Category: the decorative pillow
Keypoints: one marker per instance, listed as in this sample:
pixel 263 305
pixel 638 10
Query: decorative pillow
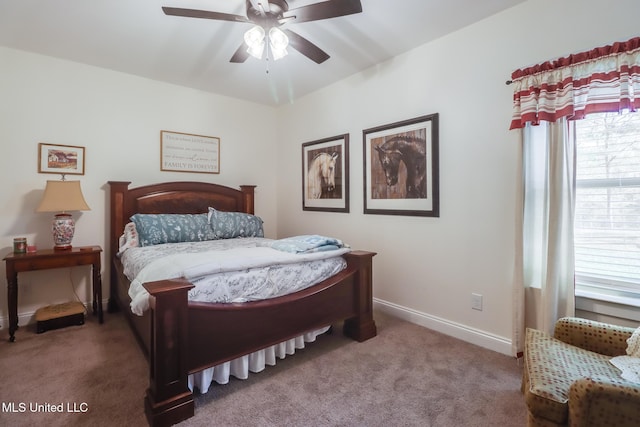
pixel 633 343
pixel 129 238
pixel 154 229
pixel 227 225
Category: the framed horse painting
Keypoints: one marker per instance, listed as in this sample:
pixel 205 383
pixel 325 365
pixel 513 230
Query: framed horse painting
pixel 325 174
pixel 401 168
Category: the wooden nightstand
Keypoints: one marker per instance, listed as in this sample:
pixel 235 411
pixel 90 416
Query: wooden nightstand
pixel 47 259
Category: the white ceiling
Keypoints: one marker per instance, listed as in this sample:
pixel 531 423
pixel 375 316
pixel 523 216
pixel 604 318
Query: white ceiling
pixel 136 37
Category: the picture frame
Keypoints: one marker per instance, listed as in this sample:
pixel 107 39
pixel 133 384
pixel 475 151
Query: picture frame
pixel 62 159
pixel 186 152
pixel 390 186
pixel 325 174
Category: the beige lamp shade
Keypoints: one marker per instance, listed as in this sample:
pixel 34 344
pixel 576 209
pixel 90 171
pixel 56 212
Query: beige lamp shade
pixel 63 196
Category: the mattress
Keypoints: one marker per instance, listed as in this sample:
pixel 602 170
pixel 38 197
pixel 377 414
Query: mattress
pixel 228 270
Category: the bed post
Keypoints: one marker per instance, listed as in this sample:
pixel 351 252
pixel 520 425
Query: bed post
pixel 117 208
pixel 248 195
pixel 362 327
pixel 168 400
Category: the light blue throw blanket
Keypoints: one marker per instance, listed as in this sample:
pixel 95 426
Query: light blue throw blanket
pixel 307 244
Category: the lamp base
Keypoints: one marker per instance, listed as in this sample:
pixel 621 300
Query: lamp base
pixel 63 228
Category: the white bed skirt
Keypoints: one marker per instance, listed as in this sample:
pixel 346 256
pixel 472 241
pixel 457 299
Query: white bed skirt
pixel 254 362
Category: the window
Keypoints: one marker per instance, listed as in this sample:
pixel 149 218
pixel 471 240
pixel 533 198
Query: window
pixel 607 216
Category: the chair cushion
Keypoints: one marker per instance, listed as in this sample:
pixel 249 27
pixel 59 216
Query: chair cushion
pixel 551 366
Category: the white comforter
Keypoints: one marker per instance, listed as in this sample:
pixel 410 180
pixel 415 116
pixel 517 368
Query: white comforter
pixel 232 270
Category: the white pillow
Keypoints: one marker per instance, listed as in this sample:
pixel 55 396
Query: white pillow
pixel 129 239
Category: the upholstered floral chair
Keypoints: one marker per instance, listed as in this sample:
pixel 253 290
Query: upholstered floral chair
pixel 570 380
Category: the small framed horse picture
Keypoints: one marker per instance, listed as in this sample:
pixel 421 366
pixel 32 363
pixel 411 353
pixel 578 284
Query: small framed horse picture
pixel 325 174
pixel 401 168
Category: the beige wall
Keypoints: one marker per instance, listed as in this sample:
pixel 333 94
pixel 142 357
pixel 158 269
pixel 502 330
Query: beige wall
pixel 427 268
pixel 118 119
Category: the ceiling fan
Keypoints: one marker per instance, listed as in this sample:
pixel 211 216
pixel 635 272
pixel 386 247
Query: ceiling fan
pixel 267 17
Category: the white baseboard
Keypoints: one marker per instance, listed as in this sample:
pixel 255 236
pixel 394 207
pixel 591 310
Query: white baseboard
pixel 456 330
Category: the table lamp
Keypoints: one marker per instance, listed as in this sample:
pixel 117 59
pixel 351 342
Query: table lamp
pixel 63 196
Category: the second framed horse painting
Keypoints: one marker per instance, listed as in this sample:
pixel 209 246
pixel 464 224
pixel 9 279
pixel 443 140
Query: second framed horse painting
pixel 401 168
pixel 325 174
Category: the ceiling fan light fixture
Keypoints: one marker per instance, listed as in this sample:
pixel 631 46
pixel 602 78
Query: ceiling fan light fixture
pixel 265 14
pixel 278 42
pixel 256 50
pixel 278 53
pixel 254 38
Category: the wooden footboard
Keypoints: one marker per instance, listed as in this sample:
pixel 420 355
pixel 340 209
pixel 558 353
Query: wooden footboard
pixel 188 337
pixel 181 337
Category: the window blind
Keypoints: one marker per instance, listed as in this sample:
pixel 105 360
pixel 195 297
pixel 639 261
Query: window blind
pixel 607 215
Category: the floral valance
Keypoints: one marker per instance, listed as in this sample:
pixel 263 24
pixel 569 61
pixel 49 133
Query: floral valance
pixel 605 79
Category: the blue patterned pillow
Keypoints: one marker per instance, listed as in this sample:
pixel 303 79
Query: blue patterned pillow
pixel 227 225
pixel 154 229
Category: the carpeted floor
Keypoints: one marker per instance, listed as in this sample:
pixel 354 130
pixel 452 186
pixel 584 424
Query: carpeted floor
pixel 406 376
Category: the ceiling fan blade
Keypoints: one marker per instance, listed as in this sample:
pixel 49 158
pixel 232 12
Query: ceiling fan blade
pixel 324 10
pixel 204 14
pixel 306 48
pixel 240 55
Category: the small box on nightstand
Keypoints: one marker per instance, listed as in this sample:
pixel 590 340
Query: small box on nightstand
pixel 59 316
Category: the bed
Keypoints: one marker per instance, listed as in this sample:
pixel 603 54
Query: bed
pixel 180 337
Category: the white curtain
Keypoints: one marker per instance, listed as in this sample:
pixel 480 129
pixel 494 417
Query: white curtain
pixel 550 96
pixel 517 339
pixel 546 257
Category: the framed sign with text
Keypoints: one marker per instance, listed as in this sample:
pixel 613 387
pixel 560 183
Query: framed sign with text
pixel 185 152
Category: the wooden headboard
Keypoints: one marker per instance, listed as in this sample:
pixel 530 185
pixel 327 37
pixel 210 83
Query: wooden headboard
pixel 171 197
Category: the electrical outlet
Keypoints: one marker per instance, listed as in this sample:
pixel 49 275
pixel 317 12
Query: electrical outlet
pixel 476 302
